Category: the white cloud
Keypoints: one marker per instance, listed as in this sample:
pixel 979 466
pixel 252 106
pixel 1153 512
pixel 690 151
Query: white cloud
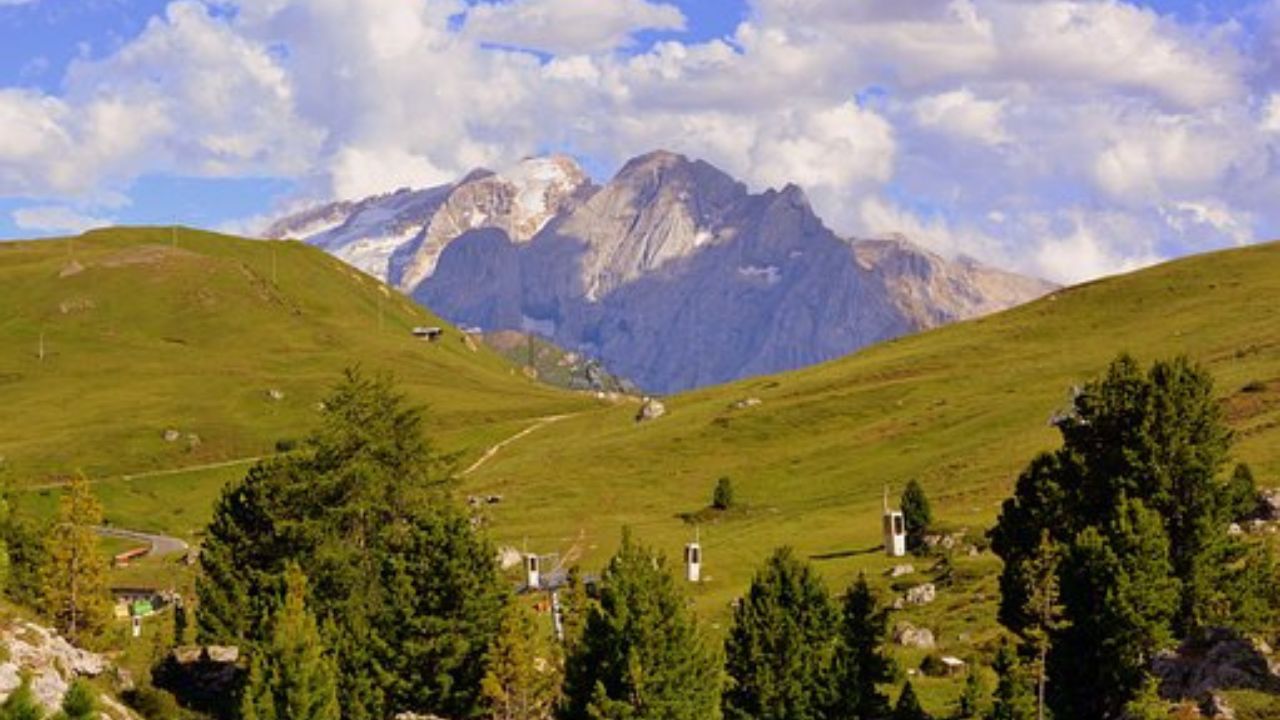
pixel 56 219
pixel 1271 114
pixel 962 114
pixel 569 26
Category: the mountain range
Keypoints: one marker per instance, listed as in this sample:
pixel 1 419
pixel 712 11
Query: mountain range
pixel 672 273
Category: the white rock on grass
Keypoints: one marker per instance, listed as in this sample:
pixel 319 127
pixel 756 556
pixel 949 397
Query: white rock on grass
pixel 921 594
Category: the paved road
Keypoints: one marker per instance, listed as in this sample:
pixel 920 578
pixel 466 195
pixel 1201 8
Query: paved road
pixel 161 545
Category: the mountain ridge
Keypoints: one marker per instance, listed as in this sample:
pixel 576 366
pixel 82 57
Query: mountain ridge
pixel 672 273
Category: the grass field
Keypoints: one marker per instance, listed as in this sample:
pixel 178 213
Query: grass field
pixel 111 339
pixel 963 408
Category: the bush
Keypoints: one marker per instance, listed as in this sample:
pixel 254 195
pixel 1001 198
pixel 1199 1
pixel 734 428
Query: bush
pixel 1254 386
pixel 285 445
pixel 722 499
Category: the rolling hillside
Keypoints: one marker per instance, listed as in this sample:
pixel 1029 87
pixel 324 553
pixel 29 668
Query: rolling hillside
pixel 228 343
pixel 962 408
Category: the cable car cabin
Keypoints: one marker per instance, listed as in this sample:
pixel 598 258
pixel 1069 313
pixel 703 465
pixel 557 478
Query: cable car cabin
pixel 430 334
pixel 693 562
pixel 895 534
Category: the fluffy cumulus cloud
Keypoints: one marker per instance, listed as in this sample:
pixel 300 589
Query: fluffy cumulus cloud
pixel 1068 138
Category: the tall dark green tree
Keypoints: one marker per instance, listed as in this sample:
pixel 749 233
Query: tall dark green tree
pixel 1120 596
pixel 860 664
pixel 405 591
pixel 780 647
pixel 908 706
pixel 1243 501
pixel 292 676
pixel 1012 700
pixel 642 655
pixel 916 513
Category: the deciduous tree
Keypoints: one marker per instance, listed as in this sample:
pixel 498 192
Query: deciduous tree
pixel 74 577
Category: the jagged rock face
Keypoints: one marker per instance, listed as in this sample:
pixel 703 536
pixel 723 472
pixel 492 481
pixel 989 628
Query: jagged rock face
pixel 675 275
pixel 52 664
pixel 398 237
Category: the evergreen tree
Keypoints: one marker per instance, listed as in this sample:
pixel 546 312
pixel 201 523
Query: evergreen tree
pixel 79 702
pixel 405 589
pixel 1243 501
pixel 1147 704
pixel 860 663
pixel 908 706
pixel 642 655
pixel 1120 596
pixel 781 643
pixel 522 680
pixel 24 542
pixel 74 577
pixel 1013 700
pixel 973 696
pixel 21 703
pixel 292 677
pixel 1044 612
pixel 575 607
pixel 722 498
pixel 916 513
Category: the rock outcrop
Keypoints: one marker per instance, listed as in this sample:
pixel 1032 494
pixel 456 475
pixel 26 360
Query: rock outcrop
pixel 672 273
pixel 52 664
pixel 1220 661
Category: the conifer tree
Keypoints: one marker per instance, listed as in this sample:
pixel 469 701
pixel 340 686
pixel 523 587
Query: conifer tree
pixel 1012 700
pixel 74 576
pixel 522 680
pixel 780 647
pixel 79 702
pixel 642 655
pixel 1044 611
pixel 406 589
pixel 860 664
pixel 1243 501
pixel 908 705
pixel 916 513
pixel 575 607
pixel 1119 595
pixel 21 703
pixel 973 696
pixel 293 676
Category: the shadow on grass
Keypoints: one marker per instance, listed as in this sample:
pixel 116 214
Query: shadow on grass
pixel 841 554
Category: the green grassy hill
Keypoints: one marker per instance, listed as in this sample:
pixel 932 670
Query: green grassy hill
pixel 147 331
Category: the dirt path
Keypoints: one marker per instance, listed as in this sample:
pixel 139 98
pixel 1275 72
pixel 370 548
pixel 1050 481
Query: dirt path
pixel 488 454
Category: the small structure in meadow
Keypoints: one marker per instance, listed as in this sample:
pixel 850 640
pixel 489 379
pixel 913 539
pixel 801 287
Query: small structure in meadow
pixel 693 560
pixel 895 530
pixel 532 571
pixel 430 333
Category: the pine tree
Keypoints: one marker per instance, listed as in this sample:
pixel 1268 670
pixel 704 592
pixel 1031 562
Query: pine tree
pixel 1147 704
pixel 642 655
pixel 1044 612
pixel 781 644
pixel 1012 700
pixel 860 664
pixel 74 577
pixel 79 702
pixel 908 706
pixel 1242 500
pixel 405 588
pixel 575 607
pixel 293 676
pixel 973 696
pixel 21 703
pixel 916 513
pixel 522 680
pixel 722 498
pixel 1120 597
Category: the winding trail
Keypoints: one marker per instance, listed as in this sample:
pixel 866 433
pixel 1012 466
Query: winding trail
pixel 493 450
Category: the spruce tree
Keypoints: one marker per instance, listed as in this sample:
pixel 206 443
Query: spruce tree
pixel 917 514
pixel 1044 612
pixel 723 498
pixel 406 589
pixel 908 706
pixel 780 646
pixel 1012 699
pixel 974 696
pixel 293 676
pixel 1242 501
pixel 522 680
pixel 74 576
pixel 642 655
pixel 79 702
pixel 21 703
pixel 1120 596
pixel 575 607
pixel 860 664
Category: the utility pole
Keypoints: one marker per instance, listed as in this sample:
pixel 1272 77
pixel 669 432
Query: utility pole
pixel 40 350
pixel 273 263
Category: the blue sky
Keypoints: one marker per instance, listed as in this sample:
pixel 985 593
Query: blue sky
pixel 1070 139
